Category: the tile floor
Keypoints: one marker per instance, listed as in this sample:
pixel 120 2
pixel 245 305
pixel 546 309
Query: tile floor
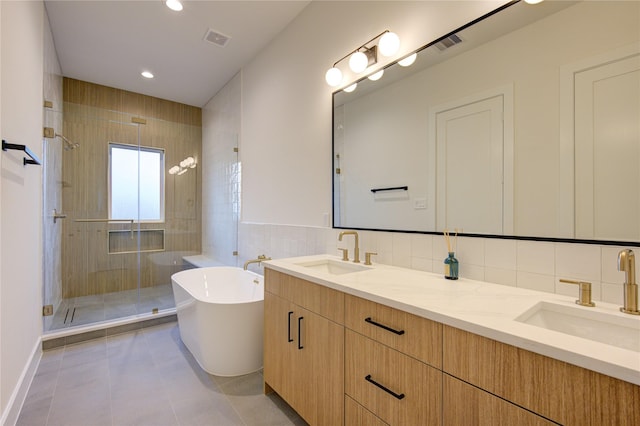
pixel 103 307
pixel 146 377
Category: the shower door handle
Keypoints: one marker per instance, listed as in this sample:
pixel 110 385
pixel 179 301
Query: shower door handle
pixel 57 216
pixel 289 339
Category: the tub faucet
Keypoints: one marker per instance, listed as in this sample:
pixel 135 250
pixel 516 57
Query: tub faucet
pixel 260 258
pixel 356 250
pixel 627 263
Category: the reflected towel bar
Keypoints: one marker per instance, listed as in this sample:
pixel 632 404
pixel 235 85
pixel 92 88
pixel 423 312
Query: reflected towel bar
pixel 33 160
pixel 395 188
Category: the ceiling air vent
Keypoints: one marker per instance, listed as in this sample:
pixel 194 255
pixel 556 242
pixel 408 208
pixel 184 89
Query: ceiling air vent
pixel 216 38
pixel 446 43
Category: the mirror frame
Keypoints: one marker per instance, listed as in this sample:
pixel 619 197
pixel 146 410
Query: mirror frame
pixel 462 234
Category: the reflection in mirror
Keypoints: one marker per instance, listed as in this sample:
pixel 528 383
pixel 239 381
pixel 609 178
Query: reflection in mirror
pixel 480 130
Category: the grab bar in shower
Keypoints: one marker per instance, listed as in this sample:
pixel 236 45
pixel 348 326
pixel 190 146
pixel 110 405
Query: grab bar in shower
pixel 33 160
pixel 109 221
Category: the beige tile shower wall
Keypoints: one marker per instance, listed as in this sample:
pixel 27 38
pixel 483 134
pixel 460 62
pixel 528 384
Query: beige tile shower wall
pixel 94 116
pixel 536 265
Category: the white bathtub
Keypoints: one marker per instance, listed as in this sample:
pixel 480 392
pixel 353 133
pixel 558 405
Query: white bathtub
pixel 220 316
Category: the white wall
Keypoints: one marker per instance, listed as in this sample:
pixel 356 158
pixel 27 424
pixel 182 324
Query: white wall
pixel 21 193
pixel 286 148
pixel 286 104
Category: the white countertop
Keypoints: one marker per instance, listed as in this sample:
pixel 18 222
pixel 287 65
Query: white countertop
pixel 482 308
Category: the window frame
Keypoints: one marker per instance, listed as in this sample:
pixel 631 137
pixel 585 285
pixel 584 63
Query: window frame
pixel 161 172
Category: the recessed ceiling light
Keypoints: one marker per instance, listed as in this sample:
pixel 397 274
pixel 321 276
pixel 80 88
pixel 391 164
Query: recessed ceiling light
pixel 147 74
pixel 174 5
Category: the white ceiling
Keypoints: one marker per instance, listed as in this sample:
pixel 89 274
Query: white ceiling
pixel 112 42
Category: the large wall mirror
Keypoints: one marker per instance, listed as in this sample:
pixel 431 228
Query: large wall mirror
pixel 524 123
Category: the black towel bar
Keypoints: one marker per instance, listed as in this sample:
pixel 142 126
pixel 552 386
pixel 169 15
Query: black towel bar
pixel 395 188
pixel 33 160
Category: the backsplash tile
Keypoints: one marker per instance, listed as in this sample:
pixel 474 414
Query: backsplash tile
pixel 536 265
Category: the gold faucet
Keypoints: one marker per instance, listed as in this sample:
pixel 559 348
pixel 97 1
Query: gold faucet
pixel 627 263
pixel 260 258
pixel 356 250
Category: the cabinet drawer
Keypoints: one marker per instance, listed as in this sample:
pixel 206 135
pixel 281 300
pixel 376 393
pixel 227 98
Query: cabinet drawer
pixel 322 300
pixel 398 389
pixel 410 334
pixel 356 415
pixel 559 391
pixel 464 404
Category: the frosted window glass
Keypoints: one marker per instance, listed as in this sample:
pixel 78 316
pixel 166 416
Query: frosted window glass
pixel 134 172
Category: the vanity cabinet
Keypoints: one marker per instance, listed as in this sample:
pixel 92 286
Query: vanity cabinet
pixel 304 347
pixel 340 359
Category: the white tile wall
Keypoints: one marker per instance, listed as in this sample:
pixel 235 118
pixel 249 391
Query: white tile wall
pixel 536 265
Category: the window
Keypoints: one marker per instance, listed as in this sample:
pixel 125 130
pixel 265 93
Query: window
pixel 136 183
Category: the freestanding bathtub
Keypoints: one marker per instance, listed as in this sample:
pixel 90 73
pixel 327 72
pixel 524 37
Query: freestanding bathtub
pixel 220 317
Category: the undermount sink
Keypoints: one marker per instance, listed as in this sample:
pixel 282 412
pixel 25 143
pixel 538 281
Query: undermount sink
pixel 610 328
pixel 333 267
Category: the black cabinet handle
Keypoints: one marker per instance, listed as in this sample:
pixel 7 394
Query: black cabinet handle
pixel 377 324
pixel 300 331
pixel 395 395
pixel 289 339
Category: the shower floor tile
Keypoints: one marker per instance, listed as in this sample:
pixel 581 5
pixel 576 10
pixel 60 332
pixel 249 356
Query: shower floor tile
pixel 146 377
pixel 84 310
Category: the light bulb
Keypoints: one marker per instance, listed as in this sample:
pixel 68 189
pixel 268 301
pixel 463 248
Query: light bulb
pixel 174 5
pixel 174 170
pixel 409 60
pixel 533 1
pixel 376 76
pixel 389 44
pixel 147 74
pixel 351 88
pixel 333 77
pixel 358 62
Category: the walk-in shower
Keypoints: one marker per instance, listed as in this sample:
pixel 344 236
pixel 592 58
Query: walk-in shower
pixel 117 224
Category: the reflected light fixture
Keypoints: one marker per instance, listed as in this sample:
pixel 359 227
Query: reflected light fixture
pixel 364 56
pixel 409 60
pixel 351 88
pixel 175 5
pixel 376 75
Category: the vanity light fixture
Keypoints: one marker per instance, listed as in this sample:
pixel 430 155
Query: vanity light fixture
pixel 174 5
pixel 364 56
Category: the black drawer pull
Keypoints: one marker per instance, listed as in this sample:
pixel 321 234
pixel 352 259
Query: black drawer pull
pixel 395 395
pixel 289 339
pixel 377 324
pixel 300 331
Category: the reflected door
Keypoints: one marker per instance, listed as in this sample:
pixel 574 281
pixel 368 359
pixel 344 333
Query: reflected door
pixel 469 155
pixel 607 150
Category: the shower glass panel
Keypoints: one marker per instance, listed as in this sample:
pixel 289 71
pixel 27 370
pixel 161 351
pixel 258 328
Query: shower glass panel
pixel 128 221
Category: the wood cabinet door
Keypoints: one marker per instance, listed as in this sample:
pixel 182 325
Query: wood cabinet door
pixel 319 359
pixel 279 332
